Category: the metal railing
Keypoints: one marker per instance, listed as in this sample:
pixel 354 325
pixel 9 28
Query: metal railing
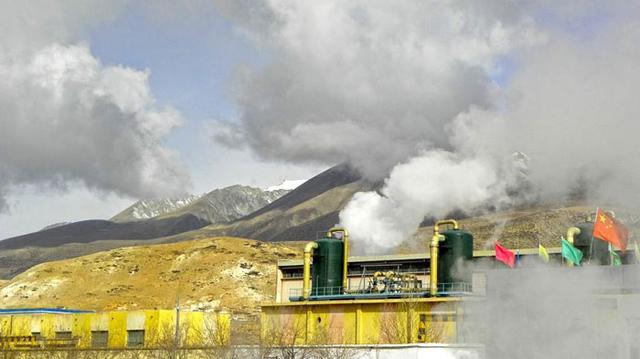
pixel 454 287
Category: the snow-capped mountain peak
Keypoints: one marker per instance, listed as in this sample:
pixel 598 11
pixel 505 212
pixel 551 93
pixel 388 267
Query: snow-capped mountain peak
pixel 288 185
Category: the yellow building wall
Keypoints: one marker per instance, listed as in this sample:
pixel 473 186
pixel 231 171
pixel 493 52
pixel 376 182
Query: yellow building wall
pixel 117 329
pixel 47 326
pixel 81 329
pixel 152 335
pixel 216 328
pixel 196 328
pixel 15 326
pixel 361 322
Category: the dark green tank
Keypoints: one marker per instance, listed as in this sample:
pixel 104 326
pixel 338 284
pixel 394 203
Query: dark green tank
pixel 456 248
pixel 326 273
pixel 594 250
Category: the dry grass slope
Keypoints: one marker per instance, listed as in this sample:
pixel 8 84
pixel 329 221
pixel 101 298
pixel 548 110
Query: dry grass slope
pixel 230 273
pixel 234 273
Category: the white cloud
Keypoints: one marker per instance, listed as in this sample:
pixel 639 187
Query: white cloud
pixel 68 118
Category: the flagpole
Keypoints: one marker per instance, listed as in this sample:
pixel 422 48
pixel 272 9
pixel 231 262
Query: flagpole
pixel 610 256
pixel 591 244
pixel 561 253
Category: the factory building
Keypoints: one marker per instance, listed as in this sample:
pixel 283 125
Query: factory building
pixel 361 270
pixel 61 328
pixel 332 298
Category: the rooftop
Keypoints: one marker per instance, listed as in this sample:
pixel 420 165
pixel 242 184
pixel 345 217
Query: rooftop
pixel 417 256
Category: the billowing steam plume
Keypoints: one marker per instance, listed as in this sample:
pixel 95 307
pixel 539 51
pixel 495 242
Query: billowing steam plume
pixel 426 184
pixel 436 97
pixel 66 118
pixel 371 83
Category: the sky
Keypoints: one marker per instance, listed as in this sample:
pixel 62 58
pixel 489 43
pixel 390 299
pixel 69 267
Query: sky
pixel 191 63
pixel 107 101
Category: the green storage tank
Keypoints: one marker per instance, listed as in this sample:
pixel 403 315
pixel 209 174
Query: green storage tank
pixel 594 250
pixel 454 250
pixel 326 271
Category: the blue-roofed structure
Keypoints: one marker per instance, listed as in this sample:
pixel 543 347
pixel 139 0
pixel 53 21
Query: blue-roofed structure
pixel 42 311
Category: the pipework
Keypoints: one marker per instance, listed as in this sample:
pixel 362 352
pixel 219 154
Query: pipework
pixel 435 241
pixel 572 232
pixel 306 276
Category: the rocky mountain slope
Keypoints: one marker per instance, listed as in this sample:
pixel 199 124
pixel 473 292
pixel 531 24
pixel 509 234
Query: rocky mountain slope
pixel 151 208
pixel 302 213
pixel 229 203
pixel 85 237
pixel 231 273
pixel 218 206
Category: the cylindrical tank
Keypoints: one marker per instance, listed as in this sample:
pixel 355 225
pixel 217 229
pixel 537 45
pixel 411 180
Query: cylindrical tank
pixel 594 250
pixel 326 277
pixel 454 250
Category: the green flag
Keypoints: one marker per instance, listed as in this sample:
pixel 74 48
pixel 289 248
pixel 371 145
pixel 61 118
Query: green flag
pixel 571 253
pixel 615 257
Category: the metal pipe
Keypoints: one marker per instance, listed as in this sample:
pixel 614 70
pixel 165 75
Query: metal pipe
pixel 572 232
pixel 345 258
pixel 306 272
pixel 435 241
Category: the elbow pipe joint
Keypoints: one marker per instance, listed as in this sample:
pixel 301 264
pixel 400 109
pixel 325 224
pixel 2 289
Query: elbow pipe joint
pixel 345 260
pixel 306 280
pixel 572 232
pixel 435 242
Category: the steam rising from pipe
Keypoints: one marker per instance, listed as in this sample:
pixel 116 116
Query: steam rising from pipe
pixel 390 87
pixel 432 184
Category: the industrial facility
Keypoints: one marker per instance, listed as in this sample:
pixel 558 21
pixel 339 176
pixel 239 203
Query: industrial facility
pixel 332 298
pixel 62 328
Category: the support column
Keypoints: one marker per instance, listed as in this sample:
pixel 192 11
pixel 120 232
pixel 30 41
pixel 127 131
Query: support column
pixel 358 325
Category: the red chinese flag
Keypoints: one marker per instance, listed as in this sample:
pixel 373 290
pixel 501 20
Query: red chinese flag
pixel 610 230
pixel 506 256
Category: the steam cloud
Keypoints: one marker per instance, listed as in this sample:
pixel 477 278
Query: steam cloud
pixel 424 184
pixel 66 118
pixel 547 312
pixel 371 83
pixel 412 90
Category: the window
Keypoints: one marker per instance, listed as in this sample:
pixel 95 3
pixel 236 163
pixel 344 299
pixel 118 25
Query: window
pixel 99 338
pixel 36 335
pixel 135 338
pixel 63 335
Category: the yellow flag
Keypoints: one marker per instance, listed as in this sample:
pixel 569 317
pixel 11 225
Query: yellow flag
pixel 542 252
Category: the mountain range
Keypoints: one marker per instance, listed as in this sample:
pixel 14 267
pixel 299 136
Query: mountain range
pixel 278 214
pixel 146 221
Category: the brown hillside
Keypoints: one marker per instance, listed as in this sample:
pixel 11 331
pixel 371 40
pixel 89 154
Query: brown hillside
pixel 229 273
pixel 235 273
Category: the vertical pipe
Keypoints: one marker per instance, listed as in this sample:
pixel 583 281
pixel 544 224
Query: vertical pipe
pixel 306 271
pixel 345 258
pixel 571 233
pixel 433 258
pixel 433 272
